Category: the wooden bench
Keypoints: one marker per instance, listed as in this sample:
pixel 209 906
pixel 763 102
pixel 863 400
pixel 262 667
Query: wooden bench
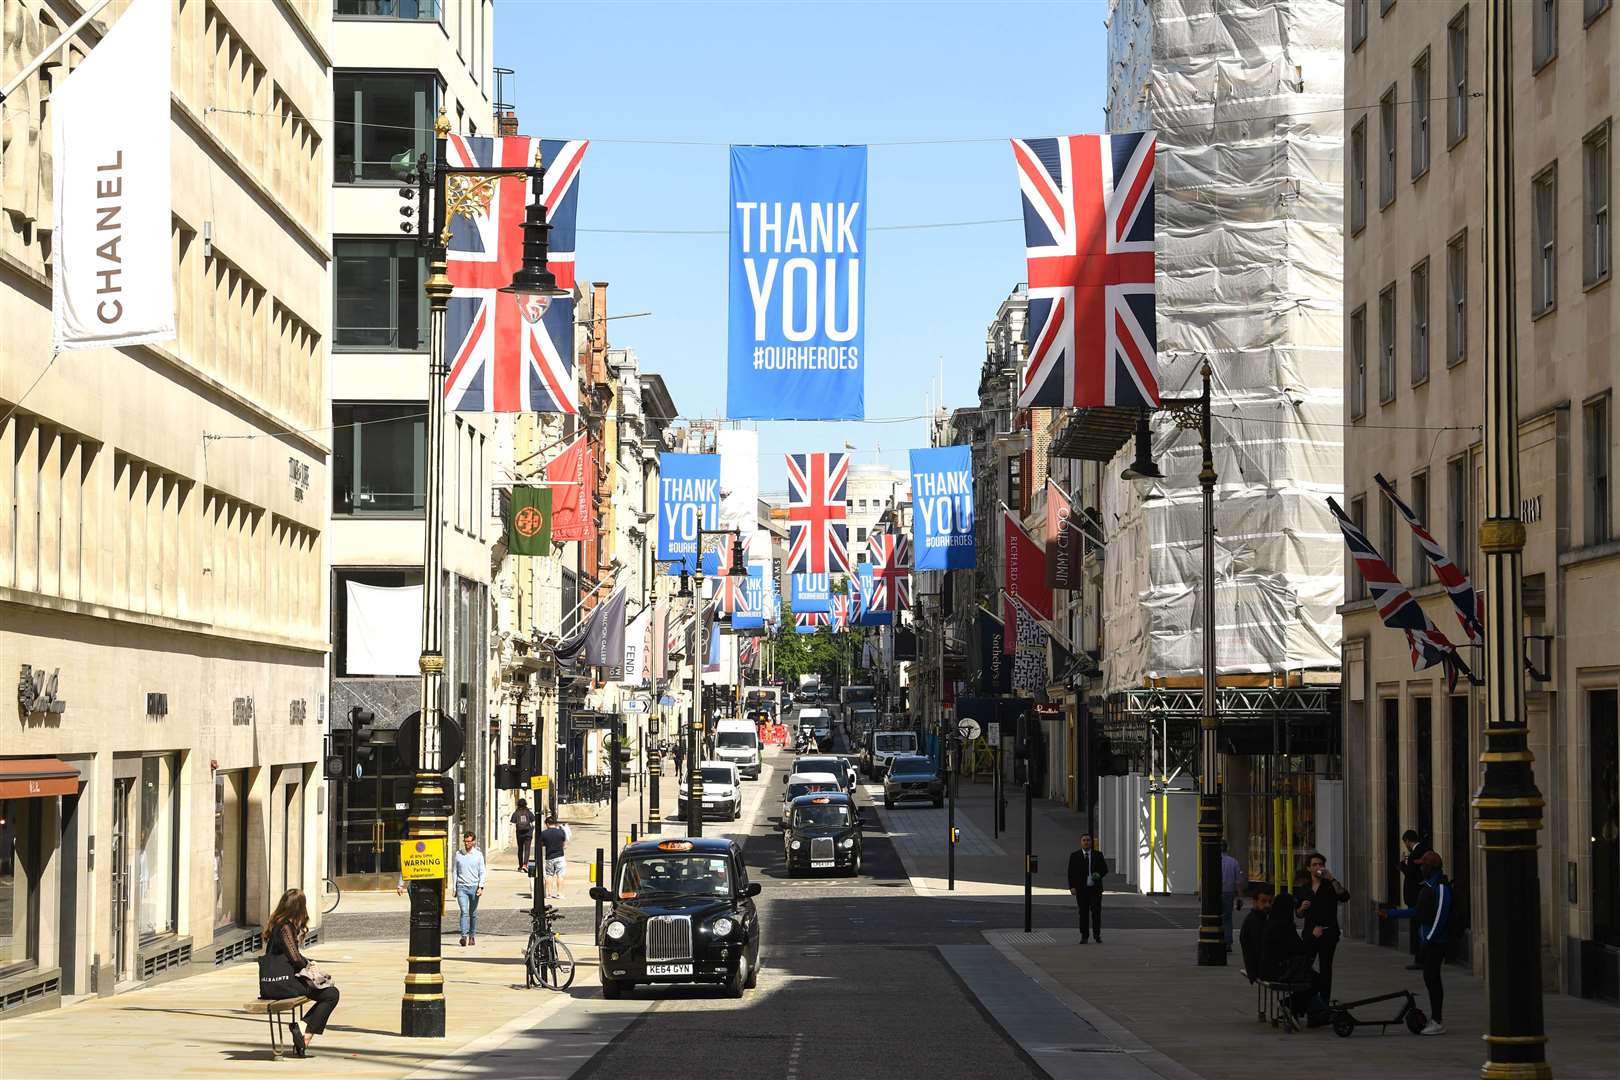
pixel 280 1013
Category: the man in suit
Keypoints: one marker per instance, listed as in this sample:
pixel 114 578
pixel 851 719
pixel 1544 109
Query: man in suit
pixel 1087 868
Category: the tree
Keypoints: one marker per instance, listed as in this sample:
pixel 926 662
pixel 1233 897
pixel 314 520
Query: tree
pixel 822 653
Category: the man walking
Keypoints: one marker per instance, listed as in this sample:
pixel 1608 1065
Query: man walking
pixel 469 872
pixel 1411 868
pixel 1087 868
pixel 523 821
pixel 553 849
pixel 1231 885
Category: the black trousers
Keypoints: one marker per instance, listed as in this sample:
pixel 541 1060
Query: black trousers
pixel 1326 946
pixel 1412 937
pixel 1089 902
pixel 316 1015
pixel 524 839
pixel 1434 956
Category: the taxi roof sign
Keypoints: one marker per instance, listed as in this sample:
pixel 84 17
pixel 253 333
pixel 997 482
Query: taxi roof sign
pixel 821 801
pixel 675 845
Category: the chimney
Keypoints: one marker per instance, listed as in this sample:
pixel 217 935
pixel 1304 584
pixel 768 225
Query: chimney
pixel 599 329
pixel 506 123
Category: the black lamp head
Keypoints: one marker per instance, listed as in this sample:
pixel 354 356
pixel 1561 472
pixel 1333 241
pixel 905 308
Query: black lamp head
pixel 534 278
pixel 739 560
pixel 686 584
pixel 1144 467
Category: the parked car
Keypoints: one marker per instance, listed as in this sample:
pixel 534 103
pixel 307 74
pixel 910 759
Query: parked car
pixel 878 748
pixel 722 791
pixel 913 777
pixel 682 911
pixel 822 832
pixel 804 784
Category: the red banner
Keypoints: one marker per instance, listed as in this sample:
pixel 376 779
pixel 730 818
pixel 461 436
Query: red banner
pixel 1024 568
pixel 1062 540
pixel 570 476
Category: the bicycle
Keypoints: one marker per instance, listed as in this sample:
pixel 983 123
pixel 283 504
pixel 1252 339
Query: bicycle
pixel 547 960
pixel 333 894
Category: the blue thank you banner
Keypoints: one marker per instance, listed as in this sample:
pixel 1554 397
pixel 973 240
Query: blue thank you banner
pixel 812 592
pixel 756 595
pixel 942 508
pixel 861 602
pixel 798 290
pixel 688 491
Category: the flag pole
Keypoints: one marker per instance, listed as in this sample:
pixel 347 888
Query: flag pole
pixel 28 69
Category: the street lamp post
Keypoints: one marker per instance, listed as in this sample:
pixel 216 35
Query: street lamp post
pixel 655 761
pixel 1508 806
pixel 694 776
pixel 1193 414
pixel 445 192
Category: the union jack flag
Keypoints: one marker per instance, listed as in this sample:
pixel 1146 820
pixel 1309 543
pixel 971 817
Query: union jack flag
pixel 1470 605
pixel 891 577
pixel 1396 606
pixel 731 598
pixel 509 353
pixel 818 537
pixel 840 610
pixel 748 652
pixel 1088 236
pixel 807 622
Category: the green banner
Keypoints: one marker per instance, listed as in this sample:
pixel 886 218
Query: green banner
pixel 528 530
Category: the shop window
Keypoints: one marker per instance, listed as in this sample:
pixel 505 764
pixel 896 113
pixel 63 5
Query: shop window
pixel 22 862
pixel 230 849
pixel 379 458
pixel 157 865
pixel 381 120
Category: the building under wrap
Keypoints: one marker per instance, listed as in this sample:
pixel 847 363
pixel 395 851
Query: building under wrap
pixel 1246 98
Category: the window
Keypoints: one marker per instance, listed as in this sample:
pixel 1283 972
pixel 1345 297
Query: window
pixel 1358 23
pixel 378 302
pixel 157 866
pixel 1386 160
pixel 405 10
pixel 379 455
pixel 1603 709
pixel 1386 344
pixel 1543 33
pixel 1457 77
pixel 860 535
pixel 23 857
pixel 454 509
pixel 1420 323
pixel 380 117
pixel 1420 506
pixel 1420 115
pixel 1386 533
pixel 1457 299
pixel 230 849
pixel 1358 176
pixel 1384 6
pixel 1595 421
pixel 1597 198
pixel 1591 9
pixel 1459 537
pixel 1358 516
pixel 1544 240
pixel 1358 363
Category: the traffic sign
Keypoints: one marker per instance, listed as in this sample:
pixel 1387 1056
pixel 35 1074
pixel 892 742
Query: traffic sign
pixel 636 705
pixel 968 729
pixel 539 783
pixel 421 860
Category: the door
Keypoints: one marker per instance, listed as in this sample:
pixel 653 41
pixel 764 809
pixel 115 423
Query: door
pixel 67 917
pixel 373 822
pixel 123 795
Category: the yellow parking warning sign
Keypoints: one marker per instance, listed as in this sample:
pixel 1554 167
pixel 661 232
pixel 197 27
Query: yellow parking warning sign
pixel 539 783
pixel 421 860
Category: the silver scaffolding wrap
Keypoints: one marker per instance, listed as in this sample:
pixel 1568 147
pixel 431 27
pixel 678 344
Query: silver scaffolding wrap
pixel 1246 98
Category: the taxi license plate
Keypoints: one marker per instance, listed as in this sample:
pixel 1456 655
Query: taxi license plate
pixel 669 969
pixel 818 863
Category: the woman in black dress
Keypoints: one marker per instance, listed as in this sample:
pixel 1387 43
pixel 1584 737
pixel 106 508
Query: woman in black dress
pixel 284 935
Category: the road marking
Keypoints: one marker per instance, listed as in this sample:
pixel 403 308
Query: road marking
pixel 793 1055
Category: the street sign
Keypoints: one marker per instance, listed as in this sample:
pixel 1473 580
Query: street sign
pixel 421 860
pixel 539 783
pixel 407 742
pixel 993 733
pixel 636 705
pixel 968 729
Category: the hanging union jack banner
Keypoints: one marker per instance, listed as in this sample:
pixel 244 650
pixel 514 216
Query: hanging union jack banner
pixel 818 537
pixel 807 622
pixel 1088 236
pixel 1397 607
pixel 730 598
pixel 891 574
pixel 510 353
pixel 1469 604
pixel 840 610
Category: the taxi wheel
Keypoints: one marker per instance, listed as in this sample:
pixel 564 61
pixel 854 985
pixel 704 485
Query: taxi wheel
pixel 855 865
pixel 753 977
pixel 740 978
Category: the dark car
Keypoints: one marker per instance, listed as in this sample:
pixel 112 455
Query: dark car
pixel 836 764
pixel 683 913
pixel 912 776
pixel 822 832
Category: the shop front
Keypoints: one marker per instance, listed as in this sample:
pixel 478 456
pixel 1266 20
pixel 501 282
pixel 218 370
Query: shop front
pixel 39 808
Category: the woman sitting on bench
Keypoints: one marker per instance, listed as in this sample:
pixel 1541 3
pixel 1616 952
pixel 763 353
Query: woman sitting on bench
pixel 1284 957
pixel 284 935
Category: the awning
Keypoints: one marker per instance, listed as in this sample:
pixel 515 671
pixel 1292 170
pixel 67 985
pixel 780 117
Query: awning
pixel 39 777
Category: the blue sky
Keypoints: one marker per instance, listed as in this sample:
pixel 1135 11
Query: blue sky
pixel 860 72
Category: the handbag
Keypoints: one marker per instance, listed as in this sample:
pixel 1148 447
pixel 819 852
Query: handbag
pixel 277 979
pixel 316 978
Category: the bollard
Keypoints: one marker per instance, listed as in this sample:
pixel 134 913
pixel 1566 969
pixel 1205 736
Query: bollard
pixel 596 872
pixel 634 831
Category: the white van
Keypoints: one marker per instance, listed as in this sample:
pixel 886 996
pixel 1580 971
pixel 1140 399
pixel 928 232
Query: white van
pixel 736 742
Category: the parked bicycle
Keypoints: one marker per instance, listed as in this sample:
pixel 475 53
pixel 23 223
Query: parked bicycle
pixel 547 960
pixel 331 894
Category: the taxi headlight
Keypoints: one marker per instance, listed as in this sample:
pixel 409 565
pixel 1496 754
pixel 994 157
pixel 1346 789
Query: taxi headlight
pixel 794 845
pixel 722 926
pixel 848 842
pixel 615 930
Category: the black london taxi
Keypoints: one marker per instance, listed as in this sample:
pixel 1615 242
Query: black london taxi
pixel 683 912
pixel 822 831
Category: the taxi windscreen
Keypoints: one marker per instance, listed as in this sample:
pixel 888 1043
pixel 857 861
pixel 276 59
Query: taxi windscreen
pixel 675 875
pixel 834 814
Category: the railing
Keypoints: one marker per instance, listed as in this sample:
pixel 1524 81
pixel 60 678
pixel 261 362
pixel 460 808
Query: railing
pixel 580 788
pixel 404 10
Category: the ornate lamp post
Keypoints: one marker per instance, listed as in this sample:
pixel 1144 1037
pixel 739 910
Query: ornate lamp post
pixel 1508 806
pixel 443 193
